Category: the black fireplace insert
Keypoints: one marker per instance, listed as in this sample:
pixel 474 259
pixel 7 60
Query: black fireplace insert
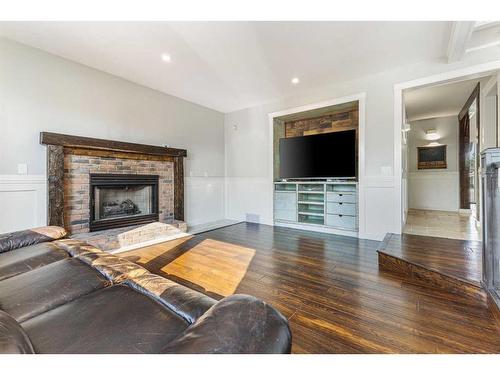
pixel 119 200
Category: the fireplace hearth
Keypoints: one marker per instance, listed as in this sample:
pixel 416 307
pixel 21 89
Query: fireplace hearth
pixel 118 200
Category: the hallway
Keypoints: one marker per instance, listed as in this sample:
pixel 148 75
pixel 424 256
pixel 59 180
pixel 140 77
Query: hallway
pixel 445 224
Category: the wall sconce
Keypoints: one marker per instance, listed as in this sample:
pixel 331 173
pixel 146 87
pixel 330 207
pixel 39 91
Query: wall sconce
pixel 431 135
pixel 434 144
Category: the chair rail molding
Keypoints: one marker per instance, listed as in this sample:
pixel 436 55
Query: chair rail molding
pixel 22 202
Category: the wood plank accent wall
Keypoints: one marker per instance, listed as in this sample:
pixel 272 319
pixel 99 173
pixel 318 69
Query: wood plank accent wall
pixel 325 124
pixel 278 133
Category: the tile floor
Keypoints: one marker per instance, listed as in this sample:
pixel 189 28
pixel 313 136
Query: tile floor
pixel 442 224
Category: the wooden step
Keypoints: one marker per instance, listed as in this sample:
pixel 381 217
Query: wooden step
pixel 439 263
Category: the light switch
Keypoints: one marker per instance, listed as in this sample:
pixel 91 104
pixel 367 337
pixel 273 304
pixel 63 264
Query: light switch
pixel 22 168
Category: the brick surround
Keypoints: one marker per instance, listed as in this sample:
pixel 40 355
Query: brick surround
pixel 77 169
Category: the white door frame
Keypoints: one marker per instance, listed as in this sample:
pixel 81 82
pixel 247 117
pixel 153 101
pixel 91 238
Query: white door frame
pixel 476 71
pixel 361 99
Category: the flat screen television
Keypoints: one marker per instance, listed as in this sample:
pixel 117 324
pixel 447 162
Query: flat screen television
pixel 330 155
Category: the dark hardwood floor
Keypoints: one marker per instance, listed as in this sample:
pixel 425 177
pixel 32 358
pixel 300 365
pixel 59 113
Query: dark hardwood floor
pixel 459 259
pixel 330 288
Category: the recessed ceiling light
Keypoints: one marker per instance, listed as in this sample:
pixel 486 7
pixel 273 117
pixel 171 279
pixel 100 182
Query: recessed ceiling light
pixel 166 57
pixel 295 80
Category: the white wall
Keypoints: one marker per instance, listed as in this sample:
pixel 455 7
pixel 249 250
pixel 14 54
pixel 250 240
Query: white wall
pixel 43 92
pixel 434 189
pixel 248 167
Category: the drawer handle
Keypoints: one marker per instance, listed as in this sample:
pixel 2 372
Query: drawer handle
pixel 340 195
pixel 340 203
pixel 340 215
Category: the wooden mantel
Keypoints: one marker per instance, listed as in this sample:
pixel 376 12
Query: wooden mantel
pixel 74 141
pixel 57 143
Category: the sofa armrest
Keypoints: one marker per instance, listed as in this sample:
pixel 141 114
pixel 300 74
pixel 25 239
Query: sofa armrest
pixel 13 338
pixel 238 324
pixel 15 240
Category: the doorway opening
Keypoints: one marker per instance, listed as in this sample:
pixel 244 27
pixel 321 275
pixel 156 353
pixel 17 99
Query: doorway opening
pixel 443 135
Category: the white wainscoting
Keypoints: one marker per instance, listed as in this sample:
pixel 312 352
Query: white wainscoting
pixel 434 190
pixel 203 199
pixel 22 202
pixel 249 199
pixel 377 196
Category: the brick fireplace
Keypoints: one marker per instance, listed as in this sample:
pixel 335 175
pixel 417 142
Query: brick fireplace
pixel 96 184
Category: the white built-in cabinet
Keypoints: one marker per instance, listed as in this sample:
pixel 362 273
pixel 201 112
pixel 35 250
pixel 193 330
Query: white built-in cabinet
pixel 321 206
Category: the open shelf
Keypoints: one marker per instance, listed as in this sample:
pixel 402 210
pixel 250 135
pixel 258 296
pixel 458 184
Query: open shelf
pixel 313 209
pixel 343 188
pixel 311 188
pixel 311 213
pixel 319 203
pixel 311 219
pixel 311 198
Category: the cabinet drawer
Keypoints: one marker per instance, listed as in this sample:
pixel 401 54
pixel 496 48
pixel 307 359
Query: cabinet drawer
pixel 342 221
pixel 289 215
pixel 285 196
pixel 341 197
pixel 285 204
pixel 341 208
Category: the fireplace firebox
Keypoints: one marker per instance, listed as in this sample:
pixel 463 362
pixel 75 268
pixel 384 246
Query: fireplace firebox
pixel 118 200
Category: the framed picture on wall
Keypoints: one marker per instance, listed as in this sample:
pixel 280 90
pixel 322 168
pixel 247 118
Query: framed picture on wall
pixel 432 157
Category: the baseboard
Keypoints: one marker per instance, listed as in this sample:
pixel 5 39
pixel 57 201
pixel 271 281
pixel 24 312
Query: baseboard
pixel 317 229
pixel 424 208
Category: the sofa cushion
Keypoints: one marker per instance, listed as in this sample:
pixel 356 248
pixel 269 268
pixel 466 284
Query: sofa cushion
pixel 117 319
pixel 28 258
pixel 13 339
pixel 116 269
pixel 76 248
pixel 16 240
pixel 185 302
pixel 32 293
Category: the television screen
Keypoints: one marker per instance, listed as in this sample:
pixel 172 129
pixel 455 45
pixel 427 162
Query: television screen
pixel 319 156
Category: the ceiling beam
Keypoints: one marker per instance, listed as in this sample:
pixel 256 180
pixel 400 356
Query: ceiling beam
pixel 461 32
pixel 485 25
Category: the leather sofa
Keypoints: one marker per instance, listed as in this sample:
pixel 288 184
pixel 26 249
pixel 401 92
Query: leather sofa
pixel 61 295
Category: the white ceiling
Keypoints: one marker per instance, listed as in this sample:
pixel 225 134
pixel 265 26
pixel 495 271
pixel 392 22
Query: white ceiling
pixel 439 101
pixel 233 65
